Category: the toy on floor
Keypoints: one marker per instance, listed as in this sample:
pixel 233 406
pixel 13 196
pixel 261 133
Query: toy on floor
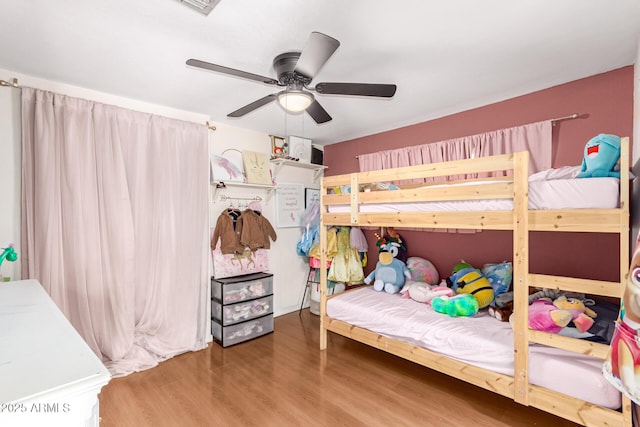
pixel 390 272
pixel 468 280
pixel 457 305
pixel 423 292
pixel 601 157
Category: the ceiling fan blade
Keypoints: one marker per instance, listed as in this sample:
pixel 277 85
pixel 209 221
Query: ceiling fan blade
pixel 317 113
pixel 362 89
pixel 315 54
pixel 231 71
pixel 254 105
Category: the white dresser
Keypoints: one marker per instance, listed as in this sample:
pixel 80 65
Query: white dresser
pixel 48 374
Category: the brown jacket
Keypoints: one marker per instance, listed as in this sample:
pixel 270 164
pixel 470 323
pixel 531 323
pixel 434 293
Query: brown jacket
pixel 227 232
pixel 254 231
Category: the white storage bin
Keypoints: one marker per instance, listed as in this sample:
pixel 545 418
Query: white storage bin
pixel 239 312
pixel 241 332
pixel 242 288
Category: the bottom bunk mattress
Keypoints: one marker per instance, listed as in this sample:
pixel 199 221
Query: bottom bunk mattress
pixel 481 341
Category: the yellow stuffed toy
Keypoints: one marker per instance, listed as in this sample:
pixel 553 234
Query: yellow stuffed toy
pixel 469 280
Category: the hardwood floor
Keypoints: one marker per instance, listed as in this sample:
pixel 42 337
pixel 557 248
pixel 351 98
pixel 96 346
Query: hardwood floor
pixel 283 379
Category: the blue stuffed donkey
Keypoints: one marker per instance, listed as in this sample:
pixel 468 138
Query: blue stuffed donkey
pixel 601 156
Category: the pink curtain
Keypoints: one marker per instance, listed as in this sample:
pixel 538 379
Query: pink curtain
pixel 115 225
pixel 534 137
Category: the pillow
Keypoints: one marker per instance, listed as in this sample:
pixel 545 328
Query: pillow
pixel 499 275
pixel 565 172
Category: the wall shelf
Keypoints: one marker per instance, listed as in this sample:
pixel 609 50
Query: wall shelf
pixel 217 186
pixel 279 163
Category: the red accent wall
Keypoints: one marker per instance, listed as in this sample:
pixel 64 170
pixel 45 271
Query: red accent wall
pixel 605 105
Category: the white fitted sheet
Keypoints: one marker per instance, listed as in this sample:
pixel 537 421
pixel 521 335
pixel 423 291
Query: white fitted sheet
pixel 481 341
pixel 580 193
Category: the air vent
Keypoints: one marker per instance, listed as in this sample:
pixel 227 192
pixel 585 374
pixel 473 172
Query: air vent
pixel 203 6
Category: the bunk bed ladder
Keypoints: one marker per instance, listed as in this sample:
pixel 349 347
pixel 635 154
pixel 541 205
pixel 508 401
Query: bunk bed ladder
pixel 593 287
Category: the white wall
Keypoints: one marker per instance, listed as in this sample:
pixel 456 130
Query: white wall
pixel 10 175
pixel 288 268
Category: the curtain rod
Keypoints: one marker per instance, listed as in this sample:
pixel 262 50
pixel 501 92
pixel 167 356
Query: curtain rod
pixel 13 83
pixel 553 121
pixel 571 117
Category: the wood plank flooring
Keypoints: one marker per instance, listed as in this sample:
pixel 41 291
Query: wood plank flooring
pixel 283 379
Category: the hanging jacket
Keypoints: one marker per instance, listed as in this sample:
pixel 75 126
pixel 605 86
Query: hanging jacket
pixel 254 231
pixel 226 231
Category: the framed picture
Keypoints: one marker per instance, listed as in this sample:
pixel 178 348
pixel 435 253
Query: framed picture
pixel 256 168
pixel 227 167
pixel 279 146
pixel 311 195
pixel 300 148
pixel 289 205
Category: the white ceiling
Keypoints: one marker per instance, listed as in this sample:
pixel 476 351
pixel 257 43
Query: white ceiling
pixel 445 56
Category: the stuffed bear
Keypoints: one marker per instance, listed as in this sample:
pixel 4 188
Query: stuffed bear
pixel 601 157
pixel 390 272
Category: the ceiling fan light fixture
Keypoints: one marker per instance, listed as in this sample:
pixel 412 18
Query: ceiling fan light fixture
pixel 295 101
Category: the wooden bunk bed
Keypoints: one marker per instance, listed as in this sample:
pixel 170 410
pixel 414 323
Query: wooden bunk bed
pixel 520 220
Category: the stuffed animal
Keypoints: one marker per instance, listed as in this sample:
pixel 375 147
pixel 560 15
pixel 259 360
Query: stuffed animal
pixel 457 305
pixel 581 315
pixel 423 292
pixel 503 312
pixel 393 243
pixel 601 157
pixel 546 317
pixel 390 272
pixel 422 270
pixel 469 280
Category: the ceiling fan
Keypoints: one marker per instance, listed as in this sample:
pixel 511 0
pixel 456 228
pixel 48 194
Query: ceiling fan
pixel 295 72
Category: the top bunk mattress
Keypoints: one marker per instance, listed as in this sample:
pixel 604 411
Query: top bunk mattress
pixel 480 341
pixel 581 193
